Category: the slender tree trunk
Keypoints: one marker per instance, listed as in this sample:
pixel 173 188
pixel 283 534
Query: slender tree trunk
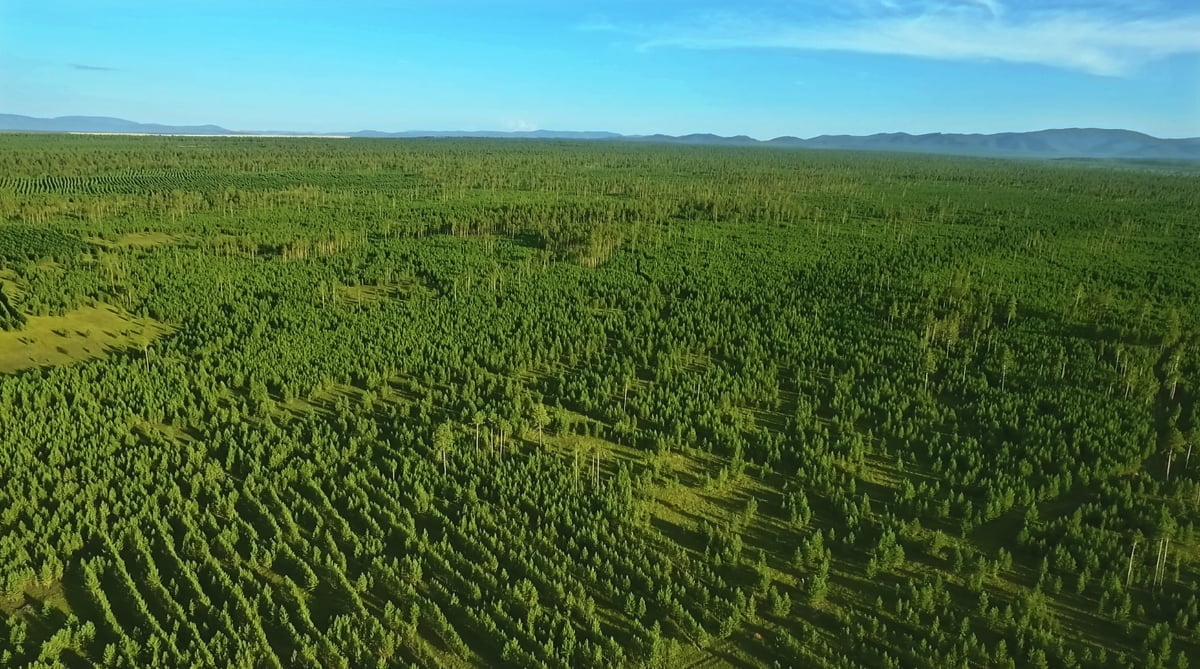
pixel 1129 572
pixel 1163 570
pixel 1158 561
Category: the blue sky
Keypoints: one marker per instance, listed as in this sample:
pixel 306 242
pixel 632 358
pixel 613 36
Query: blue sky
pixel 758 67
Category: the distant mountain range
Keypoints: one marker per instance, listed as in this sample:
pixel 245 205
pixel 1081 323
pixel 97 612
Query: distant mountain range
pixel 1064 143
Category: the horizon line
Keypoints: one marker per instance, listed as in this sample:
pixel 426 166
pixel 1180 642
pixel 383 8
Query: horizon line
pixel 351 133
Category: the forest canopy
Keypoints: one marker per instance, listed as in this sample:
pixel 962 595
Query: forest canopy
pixel 305 402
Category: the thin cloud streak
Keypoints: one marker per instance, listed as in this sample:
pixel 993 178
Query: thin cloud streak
pixel 93 68
pixel 1072 40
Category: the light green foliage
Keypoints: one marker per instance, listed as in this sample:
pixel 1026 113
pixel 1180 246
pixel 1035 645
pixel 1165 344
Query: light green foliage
pixel 461 403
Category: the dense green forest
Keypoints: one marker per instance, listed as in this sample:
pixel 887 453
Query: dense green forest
pixel 349 403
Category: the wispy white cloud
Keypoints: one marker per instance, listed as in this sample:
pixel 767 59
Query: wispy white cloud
pixel 1098 40
pixel 519 125
pixel 92 68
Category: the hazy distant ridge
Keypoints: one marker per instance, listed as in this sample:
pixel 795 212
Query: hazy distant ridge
pixel 1062 143
pixel 14 122
pixel 1067 142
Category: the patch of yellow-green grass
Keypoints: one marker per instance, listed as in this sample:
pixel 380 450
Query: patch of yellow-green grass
pixel 693 493
pixel 10 283
pixel 166 431
pixel 736 651
pixel 136 239
pixel 83 334
pixel 364 294
pixel 880 475
pixel 688 506
pixel 296 406
pixel 326 400
pixel 696 361
pixel 586 445
pixel 34 596
pixel 403 287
